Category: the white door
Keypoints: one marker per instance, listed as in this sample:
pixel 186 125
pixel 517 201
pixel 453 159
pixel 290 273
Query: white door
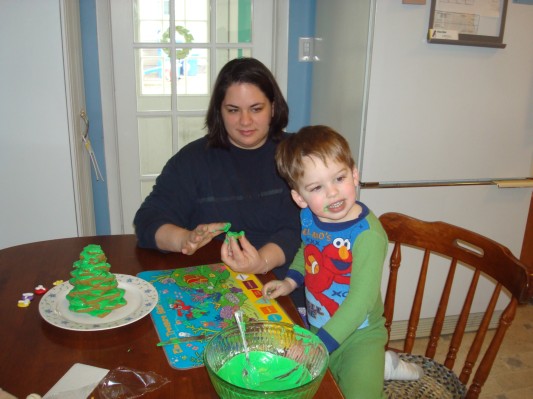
pixel 166 55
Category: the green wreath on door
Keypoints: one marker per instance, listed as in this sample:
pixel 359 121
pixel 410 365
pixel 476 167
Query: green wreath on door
pixel 187 36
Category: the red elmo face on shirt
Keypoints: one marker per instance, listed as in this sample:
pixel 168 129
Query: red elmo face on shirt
pixel 338 257
pixel 324 268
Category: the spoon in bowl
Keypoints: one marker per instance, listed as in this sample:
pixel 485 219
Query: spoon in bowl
pixel 249 372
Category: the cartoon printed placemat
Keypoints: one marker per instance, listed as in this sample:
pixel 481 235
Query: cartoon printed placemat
pixel 201 300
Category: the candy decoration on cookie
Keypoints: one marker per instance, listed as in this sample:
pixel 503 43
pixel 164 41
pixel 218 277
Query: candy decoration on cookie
pixel 95 289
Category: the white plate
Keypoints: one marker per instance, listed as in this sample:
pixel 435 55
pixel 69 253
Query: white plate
pixel 141 297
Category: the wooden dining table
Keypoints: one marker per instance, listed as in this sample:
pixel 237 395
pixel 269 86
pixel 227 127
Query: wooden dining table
pixel 35 354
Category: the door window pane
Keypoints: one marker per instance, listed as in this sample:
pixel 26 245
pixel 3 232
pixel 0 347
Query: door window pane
pixel 234 21
pixel 153 72
pixel 189 129
pixel 146 187
pixel 155 144
pixel 227 54
pixel 193 85
pixel 194 16
pixel 150 20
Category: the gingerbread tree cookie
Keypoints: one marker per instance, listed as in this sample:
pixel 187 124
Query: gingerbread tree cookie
pixel 95 289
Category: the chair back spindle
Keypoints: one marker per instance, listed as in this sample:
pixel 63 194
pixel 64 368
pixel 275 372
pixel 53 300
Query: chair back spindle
pixel 440 314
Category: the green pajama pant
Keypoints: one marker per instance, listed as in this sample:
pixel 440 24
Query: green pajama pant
pixel 358 364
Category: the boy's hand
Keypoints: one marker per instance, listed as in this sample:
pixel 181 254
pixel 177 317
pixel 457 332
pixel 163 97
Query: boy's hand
pixel 276 288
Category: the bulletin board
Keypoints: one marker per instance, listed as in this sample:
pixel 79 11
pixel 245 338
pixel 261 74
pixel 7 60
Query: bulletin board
pixel 468 22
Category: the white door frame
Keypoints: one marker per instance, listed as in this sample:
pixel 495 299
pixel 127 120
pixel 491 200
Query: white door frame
pixel 109 121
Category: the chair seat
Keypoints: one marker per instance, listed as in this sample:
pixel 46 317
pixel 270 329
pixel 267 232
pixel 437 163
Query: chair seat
pixel 438 382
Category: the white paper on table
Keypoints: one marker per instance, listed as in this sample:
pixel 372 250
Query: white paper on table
pixel 77 383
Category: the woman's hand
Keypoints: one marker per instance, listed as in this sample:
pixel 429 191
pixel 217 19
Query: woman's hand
pixel 276 288
pixel 242 257
pixel 201 236
pixel 177 239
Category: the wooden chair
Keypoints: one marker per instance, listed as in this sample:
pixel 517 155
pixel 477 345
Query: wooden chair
pixel 453 248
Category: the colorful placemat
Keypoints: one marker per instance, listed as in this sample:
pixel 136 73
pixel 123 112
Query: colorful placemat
pixel 201 300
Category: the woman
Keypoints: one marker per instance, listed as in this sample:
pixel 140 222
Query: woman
pixel 229 176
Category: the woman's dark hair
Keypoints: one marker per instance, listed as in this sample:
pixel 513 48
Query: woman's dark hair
pixel 244 70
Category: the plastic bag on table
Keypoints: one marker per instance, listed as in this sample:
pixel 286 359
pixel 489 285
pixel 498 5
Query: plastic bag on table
pixel 125 383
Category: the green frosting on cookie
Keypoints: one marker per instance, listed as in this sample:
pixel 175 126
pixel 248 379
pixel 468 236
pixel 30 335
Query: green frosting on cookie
pixel 95 289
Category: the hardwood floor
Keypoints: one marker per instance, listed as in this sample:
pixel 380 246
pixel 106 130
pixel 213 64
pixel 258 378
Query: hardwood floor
pixel 512 374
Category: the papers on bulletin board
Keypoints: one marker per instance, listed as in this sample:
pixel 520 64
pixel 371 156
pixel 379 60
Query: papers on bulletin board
pixel 473 17
pixel 483 8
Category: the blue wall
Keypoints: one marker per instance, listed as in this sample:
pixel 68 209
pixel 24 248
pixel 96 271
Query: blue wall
pixel 301 24
pixel 94 110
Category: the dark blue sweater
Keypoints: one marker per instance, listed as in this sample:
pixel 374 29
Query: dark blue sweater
pixel 201 184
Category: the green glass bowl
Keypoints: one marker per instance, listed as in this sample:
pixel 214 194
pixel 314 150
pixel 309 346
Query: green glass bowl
pixel 266 336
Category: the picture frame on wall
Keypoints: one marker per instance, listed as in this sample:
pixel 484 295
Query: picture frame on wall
pixel 468 23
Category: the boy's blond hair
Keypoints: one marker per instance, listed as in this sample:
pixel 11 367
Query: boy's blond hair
pixel 319 141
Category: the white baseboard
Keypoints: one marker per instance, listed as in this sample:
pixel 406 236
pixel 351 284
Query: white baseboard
pixel 399 327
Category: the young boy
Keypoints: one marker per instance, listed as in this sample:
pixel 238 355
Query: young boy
pixel 340 260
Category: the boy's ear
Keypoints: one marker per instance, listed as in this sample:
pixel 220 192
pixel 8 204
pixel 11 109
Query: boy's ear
pixel 355 174
pixel 298 199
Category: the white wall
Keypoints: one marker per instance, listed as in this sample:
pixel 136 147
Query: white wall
pixel 446 111
pixel 37 200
